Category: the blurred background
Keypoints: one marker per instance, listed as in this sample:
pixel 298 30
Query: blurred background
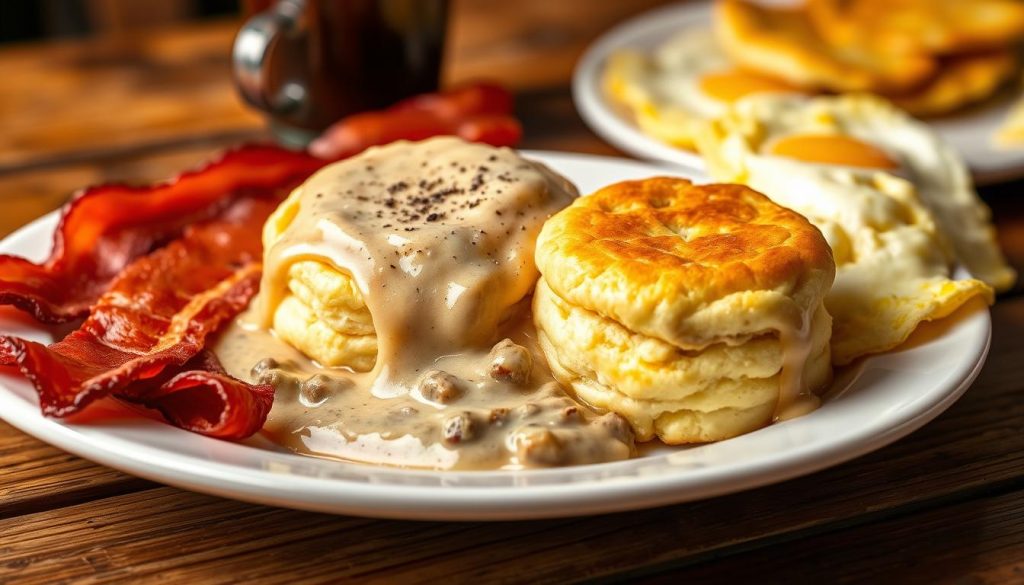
pixel 22 20
pixel 135 91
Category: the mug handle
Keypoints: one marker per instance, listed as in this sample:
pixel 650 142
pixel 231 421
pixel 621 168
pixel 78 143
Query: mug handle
pixel 252 55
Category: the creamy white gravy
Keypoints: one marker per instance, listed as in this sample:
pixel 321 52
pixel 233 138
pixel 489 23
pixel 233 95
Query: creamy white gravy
pixel 439 238
pixel 796 397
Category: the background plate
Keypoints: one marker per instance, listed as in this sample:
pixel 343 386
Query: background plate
pixel 969 131
pixel 883 399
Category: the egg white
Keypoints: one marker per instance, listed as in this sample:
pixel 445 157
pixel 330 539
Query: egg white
pixel 895 233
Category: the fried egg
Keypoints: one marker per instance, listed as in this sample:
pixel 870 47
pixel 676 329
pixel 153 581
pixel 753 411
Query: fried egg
pixel 684 82
pixel 895 204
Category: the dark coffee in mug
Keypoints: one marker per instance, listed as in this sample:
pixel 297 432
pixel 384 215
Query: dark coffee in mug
pixel 308 63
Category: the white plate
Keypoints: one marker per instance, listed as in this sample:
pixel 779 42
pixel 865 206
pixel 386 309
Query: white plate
pixel 886 398
pixel 970 132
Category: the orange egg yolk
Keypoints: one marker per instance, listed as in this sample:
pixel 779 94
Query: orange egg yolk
pixel 729 86
pixel 832 149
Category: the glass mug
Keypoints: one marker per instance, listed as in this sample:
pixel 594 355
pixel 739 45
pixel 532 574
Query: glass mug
pixel 308 63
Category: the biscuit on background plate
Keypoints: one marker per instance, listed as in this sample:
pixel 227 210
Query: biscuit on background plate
pixel 962 80
pixel 923 26
pixel 782 41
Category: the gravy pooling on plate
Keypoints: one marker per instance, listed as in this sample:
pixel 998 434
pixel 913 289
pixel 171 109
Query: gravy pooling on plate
pixel 408 270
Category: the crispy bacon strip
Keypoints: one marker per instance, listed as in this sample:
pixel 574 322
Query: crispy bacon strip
pixel 104 228
pixel 204 399
pixel 480 113
pixel 153 320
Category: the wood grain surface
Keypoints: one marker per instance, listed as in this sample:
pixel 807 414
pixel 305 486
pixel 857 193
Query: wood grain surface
pixel 944 504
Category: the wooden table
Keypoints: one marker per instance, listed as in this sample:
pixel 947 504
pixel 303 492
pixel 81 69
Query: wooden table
pixel 945 504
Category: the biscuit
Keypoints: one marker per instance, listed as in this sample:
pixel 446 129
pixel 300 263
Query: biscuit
pixel 677 395
pixel 963 80
pixel 921 26
pixel 783 42
pixel 324 316
pixel 301 327
pixel 664 301
pixel 407 246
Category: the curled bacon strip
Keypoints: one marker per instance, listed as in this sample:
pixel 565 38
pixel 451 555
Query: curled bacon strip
pixel 205 400
pixel 106 227
pixel 478 113
pixel 153 320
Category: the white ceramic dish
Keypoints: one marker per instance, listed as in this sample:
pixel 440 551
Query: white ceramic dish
pixel 970 131
pixel 884 399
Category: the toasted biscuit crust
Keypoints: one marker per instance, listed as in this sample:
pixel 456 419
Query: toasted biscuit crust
pixel 678 261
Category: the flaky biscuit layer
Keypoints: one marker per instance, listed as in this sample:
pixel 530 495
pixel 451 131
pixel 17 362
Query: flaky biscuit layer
pixel 299 326
pixel 679 396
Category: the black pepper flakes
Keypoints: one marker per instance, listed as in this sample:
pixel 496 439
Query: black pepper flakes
pixel 397 187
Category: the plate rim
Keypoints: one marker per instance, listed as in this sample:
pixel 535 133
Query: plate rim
pixel 600 116
pixel 472 502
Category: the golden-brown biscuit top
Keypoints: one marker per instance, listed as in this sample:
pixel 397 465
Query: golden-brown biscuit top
pixel 690 264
